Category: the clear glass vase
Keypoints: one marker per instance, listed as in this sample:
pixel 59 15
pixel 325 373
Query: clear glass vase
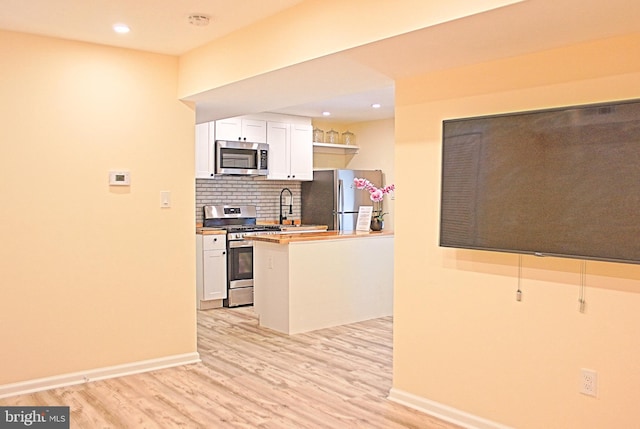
pixel 331 136
pixel 318 135
pixel 348 138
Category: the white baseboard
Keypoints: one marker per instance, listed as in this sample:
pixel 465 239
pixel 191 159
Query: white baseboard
pixel 443 412
pixel 70 379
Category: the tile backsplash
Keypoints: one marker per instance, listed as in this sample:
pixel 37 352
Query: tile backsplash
pixel 245 190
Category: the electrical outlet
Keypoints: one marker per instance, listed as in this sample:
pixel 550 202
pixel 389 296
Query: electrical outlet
pixel 588 382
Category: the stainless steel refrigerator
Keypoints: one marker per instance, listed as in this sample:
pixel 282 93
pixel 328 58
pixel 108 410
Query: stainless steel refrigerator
pixel 331 198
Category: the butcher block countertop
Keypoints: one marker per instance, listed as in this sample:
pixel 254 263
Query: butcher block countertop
pixel 297 228
pixel 284 238
pixel 210 231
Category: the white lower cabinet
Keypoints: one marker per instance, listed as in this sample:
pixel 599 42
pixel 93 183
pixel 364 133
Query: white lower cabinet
pixel 211 274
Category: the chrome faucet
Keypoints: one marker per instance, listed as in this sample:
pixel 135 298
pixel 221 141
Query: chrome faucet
pixel 284 217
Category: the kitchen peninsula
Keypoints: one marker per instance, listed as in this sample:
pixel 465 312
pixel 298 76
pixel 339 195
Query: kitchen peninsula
pixel 309 281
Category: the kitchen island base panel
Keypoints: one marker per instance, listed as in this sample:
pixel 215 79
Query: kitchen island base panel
pixel 310 285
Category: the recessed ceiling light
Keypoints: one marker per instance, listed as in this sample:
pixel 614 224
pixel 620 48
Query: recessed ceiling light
pixel 376 105
pixel 326 113
pixel 121 28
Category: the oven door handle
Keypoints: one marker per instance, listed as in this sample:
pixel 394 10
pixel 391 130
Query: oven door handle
pixel 240 243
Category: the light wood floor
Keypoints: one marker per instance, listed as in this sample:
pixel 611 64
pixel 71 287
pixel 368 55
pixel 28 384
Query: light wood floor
pixel 251 377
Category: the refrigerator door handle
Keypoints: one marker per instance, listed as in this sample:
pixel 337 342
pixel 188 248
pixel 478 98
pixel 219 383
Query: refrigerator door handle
pixel 340 203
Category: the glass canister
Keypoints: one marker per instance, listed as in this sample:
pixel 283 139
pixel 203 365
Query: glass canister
pixel 348 138
pixel 332 136
pixel 318 135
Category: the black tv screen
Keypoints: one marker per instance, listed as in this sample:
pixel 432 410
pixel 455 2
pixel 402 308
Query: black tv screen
pixel 558 182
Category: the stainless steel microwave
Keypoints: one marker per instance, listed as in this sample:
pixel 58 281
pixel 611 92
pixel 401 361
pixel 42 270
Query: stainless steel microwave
pixel 243 158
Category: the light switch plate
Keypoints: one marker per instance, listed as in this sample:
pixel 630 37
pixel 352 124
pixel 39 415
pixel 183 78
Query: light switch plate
pixel 165 199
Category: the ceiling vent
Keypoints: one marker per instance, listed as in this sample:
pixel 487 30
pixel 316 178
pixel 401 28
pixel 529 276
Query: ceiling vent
pixel 199 20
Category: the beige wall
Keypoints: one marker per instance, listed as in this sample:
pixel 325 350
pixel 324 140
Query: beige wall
pixel 92 276
pixel 461 339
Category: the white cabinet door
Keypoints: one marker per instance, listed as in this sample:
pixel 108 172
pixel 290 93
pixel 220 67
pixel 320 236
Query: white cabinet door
pixel 290 151
pixel 278 140
pixel 254 131
pixel 228 129
pixel 235 129
pixel 205 149
pixel 215 274
pixel 211 268
pixel 301 152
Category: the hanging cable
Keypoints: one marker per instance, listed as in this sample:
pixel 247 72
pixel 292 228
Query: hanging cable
pixel 583 281
pixel 519 292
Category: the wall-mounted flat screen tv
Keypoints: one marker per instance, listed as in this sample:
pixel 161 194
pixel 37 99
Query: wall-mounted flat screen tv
pixel 558 182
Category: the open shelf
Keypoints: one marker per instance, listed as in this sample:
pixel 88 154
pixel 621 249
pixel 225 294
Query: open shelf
pixel 334 148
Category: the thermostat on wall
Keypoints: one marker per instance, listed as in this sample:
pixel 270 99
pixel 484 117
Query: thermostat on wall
pixel 119 178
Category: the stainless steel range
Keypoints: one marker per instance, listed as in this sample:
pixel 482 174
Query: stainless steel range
pixel 239 221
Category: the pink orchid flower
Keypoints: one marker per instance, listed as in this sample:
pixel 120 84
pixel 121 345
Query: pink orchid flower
pixel 376 195
pixel 389 189
pixel 361 183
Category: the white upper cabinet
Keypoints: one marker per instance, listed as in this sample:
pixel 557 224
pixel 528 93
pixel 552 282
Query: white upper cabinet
pixel 205 149
pixel 289 138
pixel 301 152
pixel 241 129
pixel 278 136
pixel 290 151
